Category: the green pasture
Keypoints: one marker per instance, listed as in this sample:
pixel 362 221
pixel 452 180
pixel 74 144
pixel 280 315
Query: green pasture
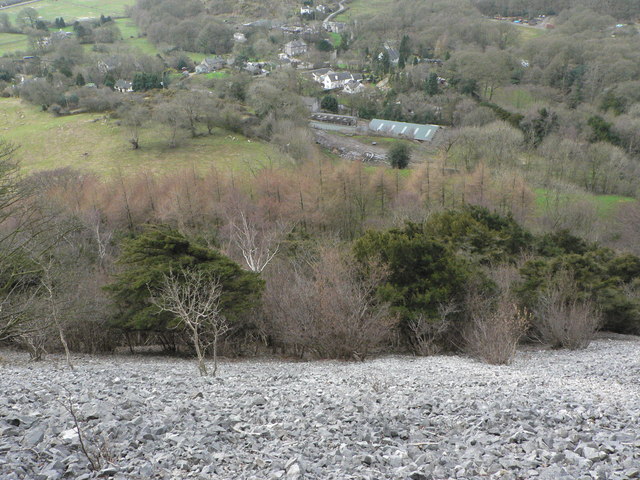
pixel 363 7
pixel 528 33
pixel 94 143
pixel 220 74
pixel 13 42
pixel 336 39
pixel 72 10
pixel 514 97
pixel 129 31
pixel 604 204
pixel 130 36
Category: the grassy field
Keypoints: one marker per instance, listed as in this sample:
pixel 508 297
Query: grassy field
pixel 12 42
pixel 129 31
pixel 91 142
pixel 529 33
pixel 336 39
pixel 71 10
pixel 604 204
pixel 514 97
pixel 363 7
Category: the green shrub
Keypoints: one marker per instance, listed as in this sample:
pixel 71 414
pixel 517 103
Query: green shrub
pixel 148 257
pixel 423 273
pixel 399 155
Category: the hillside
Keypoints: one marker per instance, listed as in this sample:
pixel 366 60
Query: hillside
pixel 95 143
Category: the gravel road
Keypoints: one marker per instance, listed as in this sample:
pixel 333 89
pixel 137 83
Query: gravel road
pixel 550 415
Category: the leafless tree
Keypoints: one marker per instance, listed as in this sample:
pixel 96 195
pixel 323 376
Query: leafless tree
pixel 20 223
pixel 53 303
pixel 14 318
pixel 494 329
pixel 426 333
pixel 101 235
pixel 328 307
pixel 33 336
pixel 134 117
pixel 562 318
pixel 258 244
pixel 194 299
pixel 495 322
pixel 96 450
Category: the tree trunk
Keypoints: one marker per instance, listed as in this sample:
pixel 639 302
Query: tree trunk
pixel 202 367
pixel 63 340
pixel 215 354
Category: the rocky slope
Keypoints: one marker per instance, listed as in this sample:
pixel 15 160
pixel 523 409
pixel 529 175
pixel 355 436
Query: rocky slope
pixel 550 415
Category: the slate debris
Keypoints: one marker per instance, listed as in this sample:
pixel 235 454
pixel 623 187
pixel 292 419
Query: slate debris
pixel 550 415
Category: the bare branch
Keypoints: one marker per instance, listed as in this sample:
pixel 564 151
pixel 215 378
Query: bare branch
pixel 258 244
pixel 194 299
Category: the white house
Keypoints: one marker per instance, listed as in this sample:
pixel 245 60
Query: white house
pixel 239 37
pixel 352 86
pixel 394 56
pixel 295 47
pixel 332 80
pixel 318 75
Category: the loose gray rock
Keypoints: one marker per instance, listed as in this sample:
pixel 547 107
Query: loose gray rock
pixel 34 436
pixel 551 415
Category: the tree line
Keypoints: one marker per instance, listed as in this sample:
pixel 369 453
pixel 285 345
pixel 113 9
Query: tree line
pixel 320 261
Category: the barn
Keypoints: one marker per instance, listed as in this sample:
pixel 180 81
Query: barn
pixel 412 131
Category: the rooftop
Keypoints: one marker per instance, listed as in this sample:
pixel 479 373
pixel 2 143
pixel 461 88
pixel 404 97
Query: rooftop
pixel 413 131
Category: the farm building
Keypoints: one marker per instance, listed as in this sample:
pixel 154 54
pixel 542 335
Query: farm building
pixel 412 131
pixel 332 118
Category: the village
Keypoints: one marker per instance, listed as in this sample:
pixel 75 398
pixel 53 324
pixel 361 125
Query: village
pixel 312 42
pixel 331 79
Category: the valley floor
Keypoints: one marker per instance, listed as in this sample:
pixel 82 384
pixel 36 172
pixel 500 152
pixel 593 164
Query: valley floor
pixel 550 415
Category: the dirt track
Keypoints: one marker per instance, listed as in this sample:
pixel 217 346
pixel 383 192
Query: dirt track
pixel 350 148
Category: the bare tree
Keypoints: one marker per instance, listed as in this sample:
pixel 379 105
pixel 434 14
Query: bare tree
pixel 95 449
pixel 14 316
pixel 134 117
pixel 194 298
pixel 328 307
pixel 495 322
pixel 33 335
pixel 101 234
pixel 53 303
pixel 258 244
pixel 20 223
pixel 562 318
pixel 427 333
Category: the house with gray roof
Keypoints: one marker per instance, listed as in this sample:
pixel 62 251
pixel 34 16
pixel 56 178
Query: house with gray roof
pixel 394 55
pixel 352 86
pixel 333 80
pixel 123 86
pixel 319 74
pixel 211 64
pixel 295 47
